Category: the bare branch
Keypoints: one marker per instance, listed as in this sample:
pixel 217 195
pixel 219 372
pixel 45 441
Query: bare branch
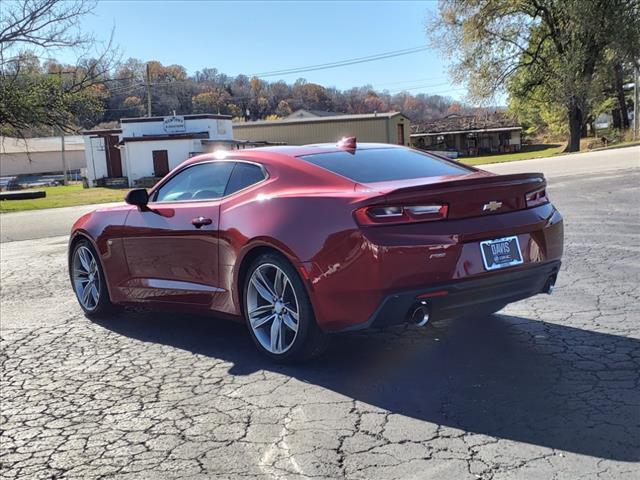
pixel 44 24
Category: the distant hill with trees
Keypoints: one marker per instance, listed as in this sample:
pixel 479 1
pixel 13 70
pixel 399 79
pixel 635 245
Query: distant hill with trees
pixel 123 93
pixel 209 90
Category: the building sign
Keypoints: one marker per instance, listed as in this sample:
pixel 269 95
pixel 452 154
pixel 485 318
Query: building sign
pixel 174 124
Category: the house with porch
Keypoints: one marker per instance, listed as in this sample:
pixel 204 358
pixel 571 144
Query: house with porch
pixel 468 135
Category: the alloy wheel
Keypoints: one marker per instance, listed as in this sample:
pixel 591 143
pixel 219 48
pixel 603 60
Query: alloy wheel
pixel 272 308
pixel 86 278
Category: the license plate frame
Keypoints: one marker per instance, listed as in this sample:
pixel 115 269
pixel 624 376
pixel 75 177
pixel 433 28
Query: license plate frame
pixel 509 259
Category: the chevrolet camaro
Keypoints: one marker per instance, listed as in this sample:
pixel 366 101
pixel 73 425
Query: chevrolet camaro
pixel 301 242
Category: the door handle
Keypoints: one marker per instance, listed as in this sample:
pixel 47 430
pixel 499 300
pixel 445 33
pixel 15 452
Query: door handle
pixel 200 221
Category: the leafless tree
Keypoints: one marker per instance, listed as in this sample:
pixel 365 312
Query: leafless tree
pixel 32 32
pixel 41 25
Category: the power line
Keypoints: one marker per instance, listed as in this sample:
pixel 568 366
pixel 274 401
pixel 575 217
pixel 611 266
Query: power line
pixel 120 109
pixel 147 82
pixel 341 63
pixel 392 92
pixel 125 89
pixel 407 81
pixel 428 86
pixel 394 52
pixel 416 87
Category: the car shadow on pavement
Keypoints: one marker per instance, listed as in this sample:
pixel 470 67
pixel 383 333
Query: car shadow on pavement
pixel 507 377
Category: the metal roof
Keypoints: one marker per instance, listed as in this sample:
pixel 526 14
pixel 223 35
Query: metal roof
pixel 317 113
pixel 193 116
pixel 465 123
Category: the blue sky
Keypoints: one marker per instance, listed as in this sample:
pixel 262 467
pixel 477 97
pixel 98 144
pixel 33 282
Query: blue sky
pixel 251 37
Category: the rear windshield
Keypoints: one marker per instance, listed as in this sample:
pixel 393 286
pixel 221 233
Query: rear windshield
pixel 384 164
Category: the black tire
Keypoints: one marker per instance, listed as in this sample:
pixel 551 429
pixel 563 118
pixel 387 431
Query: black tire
pixel 103 307
pixel 310 341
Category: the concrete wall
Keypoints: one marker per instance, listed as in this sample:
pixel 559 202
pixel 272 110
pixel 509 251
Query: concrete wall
pixel 382 130
pixel 40 162
pixel 138 157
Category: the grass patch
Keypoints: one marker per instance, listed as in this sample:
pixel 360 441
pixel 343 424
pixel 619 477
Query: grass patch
pixel 630 143
pixel 527 152
pixel 65 196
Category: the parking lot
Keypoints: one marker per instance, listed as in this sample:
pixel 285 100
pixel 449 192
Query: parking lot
pixel 547 388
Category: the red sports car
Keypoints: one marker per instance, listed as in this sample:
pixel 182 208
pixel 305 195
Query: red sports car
pixel 305 241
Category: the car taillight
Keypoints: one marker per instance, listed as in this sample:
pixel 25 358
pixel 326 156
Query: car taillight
pixel 392 214
pixel 537 197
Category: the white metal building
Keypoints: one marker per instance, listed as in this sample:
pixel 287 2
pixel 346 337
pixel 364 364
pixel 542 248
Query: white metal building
pixel 150 146
pixel 40 155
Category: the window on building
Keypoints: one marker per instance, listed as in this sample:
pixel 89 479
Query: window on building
pixel 199 182
pixel 505 138
pixel 244 175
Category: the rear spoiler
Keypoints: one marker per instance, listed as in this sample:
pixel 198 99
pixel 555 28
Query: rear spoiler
pixel 536 180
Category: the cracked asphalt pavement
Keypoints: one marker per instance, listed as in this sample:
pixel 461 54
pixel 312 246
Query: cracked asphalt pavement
pixel 549 388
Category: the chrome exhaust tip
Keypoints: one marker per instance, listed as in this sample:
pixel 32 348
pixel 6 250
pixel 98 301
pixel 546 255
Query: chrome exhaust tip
pixel 420 314
pixel 550 285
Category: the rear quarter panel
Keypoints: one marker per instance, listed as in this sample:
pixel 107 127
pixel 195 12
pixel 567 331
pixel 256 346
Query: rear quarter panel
pixel 298 224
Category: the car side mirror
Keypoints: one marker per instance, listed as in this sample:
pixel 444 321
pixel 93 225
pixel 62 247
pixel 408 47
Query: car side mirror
pixel 138 197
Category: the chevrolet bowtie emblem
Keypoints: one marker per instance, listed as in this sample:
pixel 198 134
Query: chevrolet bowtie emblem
pixel 492 206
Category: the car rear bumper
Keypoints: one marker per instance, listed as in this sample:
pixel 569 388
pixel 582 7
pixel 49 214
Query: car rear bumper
pixel 359 273
pixel 464 297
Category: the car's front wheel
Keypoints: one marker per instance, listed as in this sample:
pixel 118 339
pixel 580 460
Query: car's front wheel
pixel 88 280
pixel 278 311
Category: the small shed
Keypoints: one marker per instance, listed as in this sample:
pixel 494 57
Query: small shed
pixel 468 135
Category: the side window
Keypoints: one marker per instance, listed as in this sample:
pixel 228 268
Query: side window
pixel 243 176
pixel 200 182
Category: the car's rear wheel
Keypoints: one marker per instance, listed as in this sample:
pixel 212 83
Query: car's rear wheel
pixel 278 311
pixel 88 280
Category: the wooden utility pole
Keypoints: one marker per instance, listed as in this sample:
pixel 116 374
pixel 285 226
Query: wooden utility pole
pixel 62 152
pixel 148 82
